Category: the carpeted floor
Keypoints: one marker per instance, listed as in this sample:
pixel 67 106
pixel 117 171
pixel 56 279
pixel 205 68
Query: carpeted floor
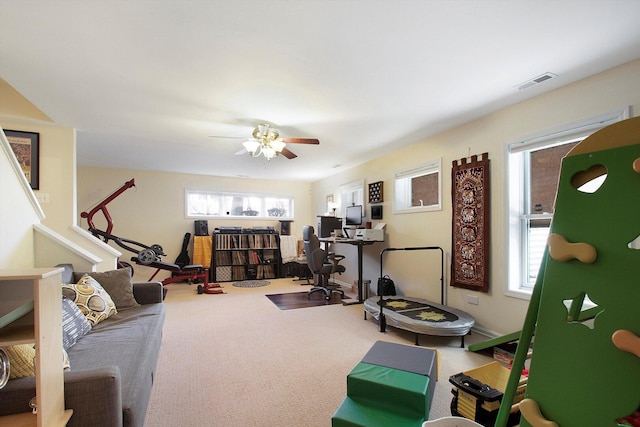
pixel 235 359
pixel 292 300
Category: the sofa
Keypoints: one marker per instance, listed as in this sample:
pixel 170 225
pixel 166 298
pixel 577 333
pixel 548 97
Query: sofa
pixel 112 366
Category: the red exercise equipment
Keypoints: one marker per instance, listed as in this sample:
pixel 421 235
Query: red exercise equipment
pixel 147 255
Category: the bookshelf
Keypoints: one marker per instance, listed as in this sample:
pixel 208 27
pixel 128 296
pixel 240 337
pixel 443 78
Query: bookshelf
pixel 38 288
pixel 245 256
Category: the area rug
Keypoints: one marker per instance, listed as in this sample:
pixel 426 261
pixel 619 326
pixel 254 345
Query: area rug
pixel 290 301
pixel 251 283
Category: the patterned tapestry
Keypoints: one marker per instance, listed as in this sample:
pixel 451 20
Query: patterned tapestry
pixel 470 231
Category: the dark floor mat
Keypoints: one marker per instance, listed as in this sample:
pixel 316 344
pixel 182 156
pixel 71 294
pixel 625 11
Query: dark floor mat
pixel 293 300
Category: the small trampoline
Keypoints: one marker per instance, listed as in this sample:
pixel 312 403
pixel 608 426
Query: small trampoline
pixel 418 315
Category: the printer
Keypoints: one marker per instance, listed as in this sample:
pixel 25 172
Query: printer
pixel 371 234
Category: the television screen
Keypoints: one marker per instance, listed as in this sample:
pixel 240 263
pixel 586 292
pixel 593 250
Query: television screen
pixel 353 215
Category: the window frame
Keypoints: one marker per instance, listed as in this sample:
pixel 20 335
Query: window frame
pixel 402 199
pixel 262 215
pixel 517 197
pixel 351 193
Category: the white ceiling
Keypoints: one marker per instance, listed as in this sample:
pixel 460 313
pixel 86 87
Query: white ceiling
pixel 145 83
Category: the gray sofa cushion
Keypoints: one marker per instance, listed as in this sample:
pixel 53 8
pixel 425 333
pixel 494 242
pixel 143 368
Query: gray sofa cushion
pixel 129 340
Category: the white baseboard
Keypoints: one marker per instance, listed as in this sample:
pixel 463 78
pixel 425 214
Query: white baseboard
pixel 486 332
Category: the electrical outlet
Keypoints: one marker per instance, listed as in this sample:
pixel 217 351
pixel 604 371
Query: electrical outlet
pixel 471 299
pixel 42 197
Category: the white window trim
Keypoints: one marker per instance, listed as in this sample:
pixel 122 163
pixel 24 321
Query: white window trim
pixel 400 199
pixel 242 194
pixel 515 199
pixel 351 193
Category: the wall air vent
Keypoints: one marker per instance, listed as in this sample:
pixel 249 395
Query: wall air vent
pixel 536 80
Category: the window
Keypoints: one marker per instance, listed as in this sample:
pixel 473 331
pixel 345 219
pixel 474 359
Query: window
pixel 533 168
pixel 351 194
pixel 418 189
pixel 218 204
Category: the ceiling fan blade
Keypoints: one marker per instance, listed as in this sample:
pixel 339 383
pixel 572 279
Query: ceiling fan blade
pixel 227 137
pixel 288 154
pixel 300 141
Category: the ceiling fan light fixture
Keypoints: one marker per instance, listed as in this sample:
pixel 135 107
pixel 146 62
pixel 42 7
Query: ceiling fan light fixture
pixel 265 132
pixel 266 141
pixel 268 152
pixel 262 130
pixel 278 145
pixel 251 145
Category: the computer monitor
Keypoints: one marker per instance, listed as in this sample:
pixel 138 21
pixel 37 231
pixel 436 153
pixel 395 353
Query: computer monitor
pixel 326 225
pixel 353 215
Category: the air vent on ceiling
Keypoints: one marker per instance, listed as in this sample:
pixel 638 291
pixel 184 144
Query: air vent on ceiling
pixel 536 80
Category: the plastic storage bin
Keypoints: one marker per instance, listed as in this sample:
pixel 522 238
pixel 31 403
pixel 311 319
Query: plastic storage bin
pixel 477 393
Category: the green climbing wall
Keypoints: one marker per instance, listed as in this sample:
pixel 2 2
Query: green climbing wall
pixel 578 377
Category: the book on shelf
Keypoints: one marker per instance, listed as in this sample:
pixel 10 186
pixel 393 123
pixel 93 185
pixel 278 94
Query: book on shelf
pixel 254 257
pixel 239 257
pixel 223 258
pixel 239 273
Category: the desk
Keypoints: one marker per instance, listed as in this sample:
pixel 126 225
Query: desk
pixel 360 244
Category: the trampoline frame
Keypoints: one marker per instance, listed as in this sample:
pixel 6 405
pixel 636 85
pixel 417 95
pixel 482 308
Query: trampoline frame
pixel 382 320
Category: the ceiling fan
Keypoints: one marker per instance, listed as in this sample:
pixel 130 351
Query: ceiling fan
pixel 265 140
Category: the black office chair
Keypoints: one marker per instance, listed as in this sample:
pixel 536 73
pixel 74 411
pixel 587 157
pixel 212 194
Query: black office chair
pixel 321 264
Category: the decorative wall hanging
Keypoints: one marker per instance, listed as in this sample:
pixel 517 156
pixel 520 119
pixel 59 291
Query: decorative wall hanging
pixel 470 233
pixel 375 192
pixel 26 146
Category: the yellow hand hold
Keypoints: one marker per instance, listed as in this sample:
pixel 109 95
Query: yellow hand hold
pixel 626 341
pixel 561 250
pixel 531 412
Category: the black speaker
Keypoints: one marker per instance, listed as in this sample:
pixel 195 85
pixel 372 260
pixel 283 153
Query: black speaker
pixel 285 228
pixel 202 227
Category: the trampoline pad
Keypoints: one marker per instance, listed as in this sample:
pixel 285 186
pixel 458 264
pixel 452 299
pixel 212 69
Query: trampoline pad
pixel 421 316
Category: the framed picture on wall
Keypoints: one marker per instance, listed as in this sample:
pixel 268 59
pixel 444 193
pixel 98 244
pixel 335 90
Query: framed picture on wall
pixel 331 206
pixel 26 147
pixel 376 194
pixel 376 211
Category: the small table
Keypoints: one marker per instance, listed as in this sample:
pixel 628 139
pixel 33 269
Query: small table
pixel 360 244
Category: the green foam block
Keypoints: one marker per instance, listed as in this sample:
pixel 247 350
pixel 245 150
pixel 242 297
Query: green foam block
pixel 391 389
pixel 355 413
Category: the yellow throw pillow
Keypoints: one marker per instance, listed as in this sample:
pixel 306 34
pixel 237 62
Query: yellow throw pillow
pixel 21 359
pixel 91 298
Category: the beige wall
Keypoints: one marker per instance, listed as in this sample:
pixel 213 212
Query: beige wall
pixel 57 155
pixel 57 183
pixel 57 175
pixel 154 211
pixel 18 212
pixel 415 273
pixel 57 171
